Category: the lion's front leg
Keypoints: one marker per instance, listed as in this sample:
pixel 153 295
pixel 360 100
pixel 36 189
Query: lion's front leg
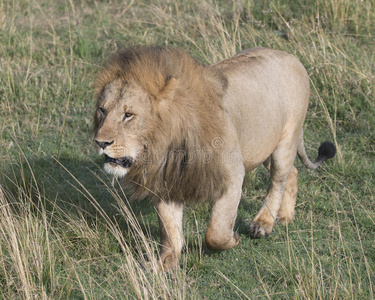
pixel 220 235
pixel 170 225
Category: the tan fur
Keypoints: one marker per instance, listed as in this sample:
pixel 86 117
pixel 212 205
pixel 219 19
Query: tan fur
pixel 183 96
pixel 192 132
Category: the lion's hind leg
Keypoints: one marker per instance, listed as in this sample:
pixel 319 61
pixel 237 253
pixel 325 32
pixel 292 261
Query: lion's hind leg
pixel 281 166
pixel 286 211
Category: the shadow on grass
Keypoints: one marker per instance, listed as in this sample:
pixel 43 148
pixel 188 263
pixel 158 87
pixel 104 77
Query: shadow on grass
pixel 72 184
pixel 78 187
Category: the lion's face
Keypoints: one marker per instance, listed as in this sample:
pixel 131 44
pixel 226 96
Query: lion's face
pixel 157 113
pixel 121 113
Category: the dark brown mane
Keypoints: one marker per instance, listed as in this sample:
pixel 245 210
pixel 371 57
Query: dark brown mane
pixel 182 157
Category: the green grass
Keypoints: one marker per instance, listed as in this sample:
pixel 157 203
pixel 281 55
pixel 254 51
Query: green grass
pixel 66 230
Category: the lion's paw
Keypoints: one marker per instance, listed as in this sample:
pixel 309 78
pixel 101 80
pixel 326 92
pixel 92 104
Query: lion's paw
pixel 285 217
pixel 221 242
pixel 168 260
pixel 260 229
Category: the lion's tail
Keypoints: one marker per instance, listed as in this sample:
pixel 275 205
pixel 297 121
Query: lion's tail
pixel 326 150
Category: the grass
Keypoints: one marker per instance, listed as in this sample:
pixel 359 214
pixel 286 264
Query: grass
pixel 67 231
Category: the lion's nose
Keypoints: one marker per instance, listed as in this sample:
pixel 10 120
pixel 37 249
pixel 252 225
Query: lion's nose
pixel 103 145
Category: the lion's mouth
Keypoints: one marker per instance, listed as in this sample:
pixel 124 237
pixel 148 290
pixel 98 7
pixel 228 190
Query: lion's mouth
pixel 124 162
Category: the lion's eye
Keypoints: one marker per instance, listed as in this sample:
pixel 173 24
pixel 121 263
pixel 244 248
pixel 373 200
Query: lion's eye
pixel 101 111
pixel 127 116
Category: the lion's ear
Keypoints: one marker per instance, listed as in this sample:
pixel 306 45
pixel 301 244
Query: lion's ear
pixel 168 90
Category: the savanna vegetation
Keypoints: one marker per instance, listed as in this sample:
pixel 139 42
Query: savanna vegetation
pixel 67 231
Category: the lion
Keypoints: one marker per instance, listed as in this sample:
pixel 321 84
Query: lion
pixel 180 132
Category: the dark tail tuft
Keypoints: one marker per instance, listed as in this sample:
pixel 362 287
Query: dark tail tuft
pixel 326 150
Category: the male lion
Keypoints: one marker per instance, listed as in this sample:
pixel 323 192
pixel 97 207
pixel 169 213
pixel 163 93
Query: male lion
pixel 182 132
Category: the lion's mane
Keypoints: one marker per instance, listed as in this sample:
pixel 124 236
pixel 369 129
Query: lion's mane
pixel 183 145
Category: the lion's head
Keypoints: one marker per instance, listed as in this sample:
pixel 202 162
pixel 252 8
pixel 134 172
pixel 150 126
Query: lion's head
pixel 157 115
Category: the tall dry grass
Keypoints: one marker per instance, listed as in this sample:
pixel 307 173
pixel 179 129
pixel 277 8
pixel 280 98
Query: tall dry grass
pixel 36 244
